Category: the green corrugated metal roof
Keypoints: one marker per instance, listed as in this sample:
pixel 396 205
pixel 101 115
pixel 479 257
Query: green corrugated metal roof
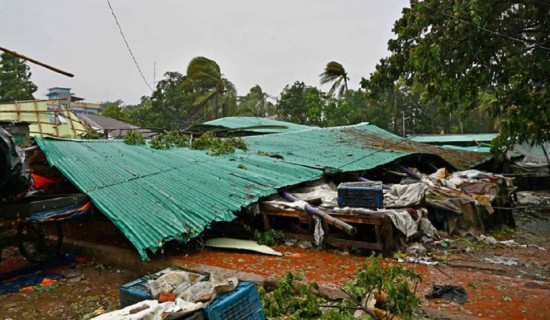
pixel 154 196
pixel 353 148
pixel 244 122
pixel 446 138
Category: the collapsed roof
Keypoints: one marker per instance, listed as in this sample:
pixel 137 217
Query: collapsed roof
pixel 154 196
pixel 113 127
pixel 45 118
pixel 354 148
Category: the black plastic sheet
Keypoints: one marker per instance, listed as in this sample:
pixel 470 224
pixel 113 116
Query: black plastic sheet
pixel 449 292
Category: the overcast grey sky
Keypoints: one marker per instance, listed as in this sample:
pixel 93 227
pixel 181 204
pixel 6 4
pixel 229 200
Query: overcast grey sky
pixel 270 43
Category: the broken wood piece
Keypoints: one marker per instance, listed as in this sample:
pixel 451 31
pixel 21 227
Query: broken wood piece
pixel 347 228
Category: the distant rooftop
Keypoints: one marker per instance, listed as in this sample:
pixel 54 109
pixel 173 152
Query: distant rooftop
pixel 59 89
pixel 62 93
pixel 115 128
pixel 454 138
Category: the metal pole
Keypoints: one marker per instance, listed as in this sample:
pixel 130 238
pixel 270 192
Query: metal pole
pixel 37 62
pixel 403 113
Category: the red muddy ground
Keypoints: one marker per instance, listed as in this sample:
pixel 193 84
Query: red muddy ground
pixel 490 295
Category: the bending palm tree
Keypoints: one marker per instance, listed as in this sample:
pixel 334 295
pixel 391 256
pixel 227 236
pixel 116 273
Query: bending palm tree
pixel 204 77
pixel 336 74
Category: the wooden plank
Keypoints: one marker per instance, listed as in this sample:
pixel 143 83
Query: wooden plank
pixel 360 219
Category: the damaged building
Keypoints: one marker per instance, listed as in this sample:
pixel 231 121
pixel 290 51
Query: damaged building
pixel 155 197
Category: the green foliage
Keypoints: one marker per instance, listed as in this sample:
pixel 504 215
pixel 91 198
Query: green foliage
pixel 161 141
pixel 168 140
pixel 394 280
pixel 217 146
pixel 269 237
pixel 255 104
pixel 113 109
pixel 304 105
pixel 292 300
pixel 171 103
pixel 352 108
pixel 213 91
pixel 143 114
pixel 15 79
pixel 133 137
pixel 502 232
pixel 90 134
pixel 300 301
pixel 462 51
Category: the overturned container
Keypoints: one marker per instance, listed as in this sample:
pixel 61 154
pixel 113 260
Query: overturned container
pixel 361 194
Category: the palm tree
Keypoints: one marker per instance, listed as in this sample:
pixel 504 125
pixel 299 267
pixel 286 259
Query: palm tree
pixel 336 74
pixel 205 78
pixel 261 103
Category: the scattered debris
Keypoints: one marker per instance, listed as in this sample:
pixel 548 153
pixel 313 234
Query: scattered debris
pixel 512 243
pixel 502 260
pixel 416 250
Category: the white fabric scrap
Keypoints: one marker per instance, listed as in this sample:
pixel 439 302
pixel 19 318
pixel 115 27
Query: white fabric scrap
pixel 169 281
pixel 326 192
pixel 154 310
pixel 403 221
pixel 404 195
pixel 318 233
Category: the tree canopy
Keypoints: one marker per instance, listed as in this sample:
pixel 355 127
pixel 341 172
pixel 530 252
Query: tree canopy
pixel 304 105
pixel 467 55
pixel 204 78
pixel 15 83
pixel 255 103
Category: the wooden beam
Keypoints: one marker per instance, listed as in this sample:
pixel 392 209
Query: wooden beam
pixel 37 62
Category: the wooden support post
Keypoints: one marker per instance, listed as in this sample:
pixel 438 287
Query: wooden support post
pixel 266 222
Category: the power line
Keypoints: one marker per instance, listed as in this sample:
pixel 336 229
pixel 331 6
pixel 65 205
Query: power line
pixel 481 28
pixel 127 45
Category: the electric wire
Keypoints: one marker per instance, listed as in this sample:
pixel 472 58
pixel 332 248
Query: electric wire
pixel 128 45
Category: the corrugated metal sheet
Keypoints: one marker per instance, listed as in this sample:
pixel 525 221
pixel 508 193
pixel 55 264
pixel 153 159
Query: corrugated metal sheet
pixel 449 138
pixel 472 148
pixel 154 196
pixel 45 119
pixel 353 148
pixel 244 122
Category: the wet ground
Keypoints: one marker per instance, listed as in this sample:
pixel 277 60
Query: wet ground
pixel 502 282
pixel 83 291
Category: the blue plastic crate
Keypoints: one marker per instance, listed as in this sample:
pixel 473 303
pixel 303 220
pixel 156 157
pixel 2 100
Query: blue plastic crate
pixel 134 292
pixel 243 303
pixel 361 194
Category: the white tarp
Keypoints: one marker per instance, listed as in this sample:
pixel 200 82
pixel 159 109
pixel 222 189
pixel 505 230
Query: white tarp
pixel 248 245
pixel 404 195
